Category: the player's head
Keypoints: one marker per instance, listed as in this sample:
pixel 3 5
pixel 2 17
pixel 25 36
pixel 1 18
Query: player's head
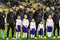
pixel 1 10
pixel 39 7
pixel 33 20
pixel 30 9
pixel 25 16
pixel 21 7
pixel 50 16
pixel 11 10
pixel 18 17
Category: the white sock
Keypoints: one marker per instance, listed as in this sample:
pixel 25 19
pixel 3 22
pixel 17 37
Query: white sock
pixel 16 34
pixel 33 36
pixel 39 36
pixel 25 35
pixel 49 34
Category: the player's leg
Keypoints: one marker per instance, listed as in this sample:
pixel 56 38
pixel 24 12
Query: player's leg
pixel 3 28
pixel 26 32
pixel 54 30
pixel 31 36
pixel 23 29
pixel 25 35
pixel 45 30
pixel 17 35
pixel 8 31
pixel 39 34
pixel 45 33
pixel 12 27
pixel 34 32
pixel 31 33
pixel 49 35
pixel 3 32
pixel 36 27
pixel 59 27
pixel 58 30
pixel 59 33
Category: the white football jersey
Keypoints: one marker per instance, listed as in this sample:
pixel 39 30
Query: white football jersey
pixel 18 22
pixel 40 26
pixel 25 22
pixel 49 22
pixel 32 25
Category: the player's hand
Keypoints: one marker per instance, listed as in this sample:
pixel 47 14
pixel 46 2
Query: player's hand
pixel 7 23
pixel 16 28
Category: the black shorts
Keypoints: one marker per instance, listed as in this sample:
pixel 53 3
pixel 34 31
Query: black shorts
pixel 2 26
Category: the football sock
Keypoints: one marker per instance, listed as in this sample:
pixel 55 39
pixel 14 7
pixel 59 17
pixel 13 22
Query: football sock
pixel 2 34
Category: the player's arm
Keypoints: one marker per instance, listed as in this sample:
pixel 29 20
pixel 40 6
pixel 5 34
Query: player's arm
pixel 28 23
pixel 4 16
pixel 5 20
pixel 35 26
pixel 59 23
pixel 21 24
pixel 43 27
pixel 30 26
pixel 38 28
pixel 16 25
pixel 53 24
pixel 8 15
pixel 46 24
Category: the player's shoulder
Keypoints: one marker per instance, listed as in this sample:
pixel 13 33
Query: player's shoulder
pixel 23 19
pixel 18 20
pixel 49 19
pixel 32 22
pixel 41 24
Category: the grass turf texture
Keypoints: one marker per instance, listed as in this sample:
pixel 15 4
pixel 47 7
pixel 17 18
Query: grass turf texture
pixel 10 35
